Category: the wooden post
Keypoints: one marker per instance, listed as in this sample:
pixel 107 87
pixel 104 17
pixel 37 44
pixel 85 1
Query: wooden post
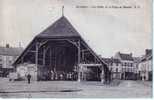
pixel 55 53
pixel 82 56
pixel 81 67
pixel 79 70
pixel 50 56
pixel 43 56
pixel 102 76
pixel 124 73
pixel 36 59
pixel 22 60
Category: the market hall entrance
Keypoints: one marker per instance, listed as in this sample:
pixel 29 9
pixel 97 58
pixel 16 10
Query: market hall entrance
pixel 60 61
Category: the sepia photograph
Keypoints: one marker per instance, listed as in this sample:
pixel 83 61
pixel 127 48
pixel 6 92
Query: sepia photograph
pixel 76 49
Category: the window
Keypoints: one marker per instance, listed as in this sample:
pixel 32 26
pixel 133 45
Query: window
pixel 1 65
pixel 125 64
pixel 124 69
pixel 116 64
pixel 132 70
pixel 127 69
pixel 0 58
pixel 116 69
pixel 131 65
pixel 10 61
pixel 128 64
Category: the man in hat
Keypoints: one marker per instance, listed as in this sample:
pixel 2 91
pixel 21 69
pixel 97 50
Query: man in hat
pixel 28 77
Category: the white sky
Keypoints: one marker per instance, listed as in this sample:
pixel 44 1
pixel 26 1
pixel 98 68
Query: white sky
pixel 106 30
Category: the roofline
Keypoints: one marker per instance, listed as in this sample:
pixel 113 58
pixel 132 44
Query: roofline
pixel 23 52
pixel 94 52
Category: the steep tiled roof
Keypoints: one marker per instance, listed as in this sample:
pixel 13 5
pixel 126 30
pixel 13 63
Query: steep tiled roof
pixel 111 60
pixel 148 52
pixel 107 60
pixel 115 60
pixel 126 56
pixel 137 59
pixel 61 28
pixel 147 56
pixel 10 51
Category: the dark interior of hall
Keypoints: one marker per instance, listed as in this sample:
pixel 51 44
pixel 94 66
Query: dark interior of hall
pixel 60 57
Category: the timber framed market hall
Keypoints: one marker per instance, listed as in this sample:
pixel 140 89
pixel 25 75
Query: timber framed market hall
pixel 61 49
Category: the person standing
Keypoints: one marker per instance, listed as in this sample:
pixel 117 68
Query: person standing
pixel 28 77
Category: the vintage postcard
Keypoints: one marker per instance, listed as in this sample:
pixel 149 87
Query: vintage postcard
pixel 76 49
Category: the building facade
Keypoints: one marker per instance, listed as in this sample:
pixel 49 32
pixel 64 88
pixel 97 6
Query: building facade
pixel 115 67
pixel 127 63
pixel 137 61
pixel 145 66
pixel 126 67
pixel 7 57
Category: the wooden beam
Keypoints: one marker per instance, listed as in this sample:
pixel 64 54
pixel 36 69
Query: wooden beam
pixel 55 56
pixel 82 55
pixel 31 51
pixel 36 58
pixel 79 54
pixel 92 52
pixel 44 56
pixel 50 57
pixel 84 50
pixel 21 59
pixel 93 65
pixel 41 44
pixel 72 42
pixel 102 75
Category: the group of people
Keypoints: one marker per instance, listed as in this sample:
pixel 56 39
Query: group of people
pixel 62 75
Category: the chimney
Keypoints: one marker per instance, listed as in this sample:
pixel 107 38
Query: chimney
pixel 131 54
pixel 148 51
pixel 7 46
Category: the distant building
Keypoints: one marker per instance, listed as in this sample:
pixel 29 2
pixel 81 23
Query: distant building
pixel 7 56
pixel 125 66
pixel 127 62
pixel 137 61
pixel 114 66
pixel 145 66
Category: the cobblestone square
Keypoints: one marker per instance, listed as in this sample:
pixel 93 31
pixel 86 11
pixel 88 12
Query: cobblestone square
pixel 73 89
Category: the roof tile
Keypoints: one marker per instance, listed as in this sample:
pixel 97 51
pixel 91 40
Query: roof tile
pixel 61 28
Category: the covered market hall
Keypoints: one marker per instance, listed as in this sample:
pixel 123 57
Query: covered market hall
pixel 60 53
